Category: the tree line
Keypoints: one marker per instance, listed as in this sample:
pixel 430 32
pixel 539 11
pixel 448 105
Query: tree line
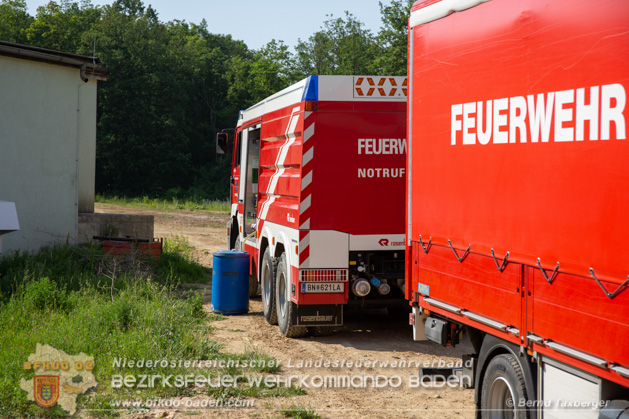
pixel 173 85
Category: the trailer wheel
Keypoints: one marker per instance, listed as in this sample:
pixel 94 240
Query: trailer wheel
pixel 503 389
pixel 267 283
pixel 283 303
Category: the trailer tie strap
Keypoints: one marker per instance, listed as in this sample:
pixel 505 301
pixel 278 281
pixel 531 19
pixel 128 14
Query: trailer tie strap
pixel 609 294
pixel 462 258
pixel 504 261
pixel 552 277
pixel 427 247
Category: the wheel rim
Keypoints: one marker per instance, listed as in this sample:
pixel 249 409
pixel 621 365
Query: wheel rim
pixel 281 283
pixel 266 289
pixel 501 400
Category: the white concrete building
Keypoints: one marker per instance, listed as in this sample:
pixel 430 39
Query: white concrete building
pixel 47 141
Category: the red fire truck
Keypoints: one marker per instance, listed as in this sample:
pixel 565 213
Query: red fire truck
pixel 516 209
pixel 318 180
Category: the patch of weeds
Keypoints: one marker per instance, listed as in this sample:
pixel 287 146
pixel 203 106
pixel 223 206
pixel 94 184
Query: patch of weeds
pixel 177 257
pixel 299 411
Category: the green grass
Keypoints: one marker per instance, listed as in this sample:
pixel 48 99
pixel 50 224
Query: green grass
pixel 171 204
pixel 77 299
pixel 177 257
pixel 298 411
pixel 74 267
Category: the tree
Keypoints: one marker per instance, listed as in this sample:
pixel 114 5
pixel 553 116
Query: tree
pixel 14 21
pixel 166 97
pixel 342 46
pixel 258 74
pixel 392 39
pixel 65 26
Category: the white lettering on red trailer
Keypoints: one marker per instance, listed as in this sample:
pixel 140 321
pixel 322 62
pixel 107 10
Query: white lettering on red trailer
pixel 574 115
pixel 382 146
pixel 381 172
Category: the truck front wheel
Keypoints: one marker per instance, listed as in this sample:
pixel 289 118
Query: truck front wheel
pixel 283 303
pixel 267 283
pixel 504 391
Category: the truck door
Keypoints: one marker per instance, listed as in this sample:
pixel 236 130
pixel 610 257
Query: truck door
pixel 235 174
pixel 249 168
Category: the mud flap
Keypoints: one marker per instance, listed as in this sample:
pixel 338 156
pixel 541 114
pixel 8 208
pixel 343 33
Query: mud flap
pixel 318 315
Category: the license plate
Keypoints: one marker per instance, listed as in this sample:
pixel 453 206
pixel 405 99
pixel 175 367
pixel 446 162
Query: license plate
pixel 323 288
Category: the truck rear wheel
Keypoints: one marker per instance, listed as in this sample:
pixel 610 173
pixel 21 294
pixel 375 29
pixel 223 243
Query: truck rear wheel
pixel 503 389
pixel 267 283
pixel 283 303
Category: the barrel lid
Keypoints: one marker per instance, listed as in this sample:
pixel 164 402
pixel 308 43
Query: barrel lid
pixel 231 254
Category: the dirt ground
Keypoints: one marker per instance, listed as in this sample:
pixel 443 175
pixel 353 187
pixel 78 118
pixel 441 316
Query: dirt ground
pixel 369 337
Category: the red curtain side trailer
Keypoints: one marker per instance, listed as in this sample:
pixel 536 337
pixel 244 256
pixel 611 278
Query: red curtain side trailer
pixel 517 215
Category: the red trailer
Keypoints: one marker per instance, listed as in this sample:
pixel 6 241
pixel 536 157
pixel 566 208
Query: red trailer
pixel 318 180
pixel 516 209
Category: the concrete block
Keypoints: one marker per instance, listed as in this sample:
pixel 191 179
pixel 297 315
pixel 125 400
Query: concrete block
pixel 115 225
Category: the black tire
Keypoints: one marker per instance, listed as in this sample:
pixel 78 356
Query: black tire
pixel 267 287
pixel 504 389
pixel 253 286
pixel 284 306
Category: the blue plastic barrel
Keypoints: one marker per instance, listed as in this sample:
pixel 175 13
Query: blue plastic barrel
pixel 230 282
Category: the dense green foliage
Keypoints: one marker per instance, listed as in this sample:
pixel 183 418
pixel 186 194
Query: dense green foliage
pixel 173 85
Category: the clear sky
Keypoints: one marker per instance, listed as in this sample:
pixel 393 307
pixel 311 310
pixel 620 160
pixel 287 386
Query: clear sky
pixel 258 21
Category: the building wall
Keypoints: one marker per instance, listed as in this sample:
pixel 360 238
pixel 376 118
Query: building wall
pixel 47 149
pixel 87 145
